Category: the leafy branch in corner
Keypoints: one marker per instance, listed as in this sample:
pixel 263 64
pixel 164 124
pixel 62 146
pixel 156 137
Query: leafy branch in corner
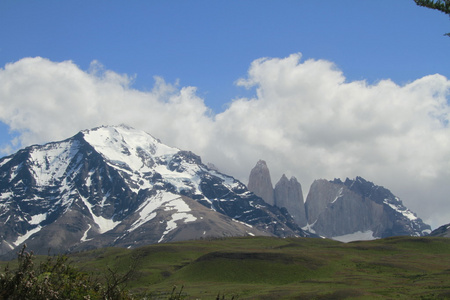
pixel 441 5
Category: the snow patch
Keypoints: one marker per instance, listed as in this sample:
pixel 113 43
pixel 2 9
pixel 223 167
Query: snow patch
pixel 228 181
pixel 309 227
pixel 50 163
pixel 187 180
pixel 339 195
pixel 6 195
pixel 37 219
pixel 8 244
pixel 243 223
pixel 426 232
pixel 84 237
pixel 25 237
pixel 170 201
pixel 401 209
pixel 147 208
pixel 356 236
pixel 5 161
pixel 104 224
pixel 172 224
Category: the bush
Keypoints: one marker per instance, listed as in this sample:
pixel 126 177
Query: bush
pixel 56 279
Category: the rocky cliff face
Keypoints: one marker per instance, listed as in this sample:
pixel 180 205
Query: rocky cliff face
pixel 117 186
pixel 321 193
pixel 288 194
pixel 442 231
pixel 340 209
pixel 260 183
pixel 351 210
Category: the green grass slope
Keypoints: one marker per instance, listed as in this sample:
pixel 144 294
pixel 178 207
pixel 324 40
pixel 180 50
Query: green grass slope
pixel 291 268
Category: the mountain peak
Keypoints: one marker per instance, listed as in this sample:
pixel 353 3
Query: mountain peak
pixel 261 163
pixel 288 194
pixel 283 178
pixel 123 145
pixel 118 186
pixel 260 183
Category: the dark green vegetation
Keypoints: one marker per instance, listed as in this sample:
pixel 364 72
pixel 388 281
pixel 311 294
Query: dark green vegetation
pixel 54 278
pixel 275 268
pixel 441 5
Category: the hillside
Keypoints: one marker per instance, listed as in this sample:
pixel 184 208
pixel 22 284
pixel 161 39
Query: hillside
pixel 290 268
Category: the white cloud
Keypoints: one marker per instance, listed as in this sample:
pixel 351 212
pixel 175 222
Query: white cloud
pixel 305 120
pixel 45 101
pixel 308 120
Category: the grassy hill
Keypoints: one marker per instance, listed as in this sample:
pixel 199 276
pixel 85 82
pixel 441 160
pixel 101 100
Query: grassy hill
pixel 291 268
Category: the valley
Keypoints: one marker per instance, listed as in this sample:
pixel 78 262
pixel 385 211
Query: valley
pixel 282 268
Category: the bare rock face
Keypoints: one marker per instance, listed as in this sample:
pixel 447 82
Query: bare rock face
pixel 260 183
pixel 335 209
pixel 321 193
pixel 288 194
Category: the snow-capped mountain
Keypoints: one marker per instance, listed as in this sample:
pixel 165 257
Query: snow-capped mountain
pixel 117 186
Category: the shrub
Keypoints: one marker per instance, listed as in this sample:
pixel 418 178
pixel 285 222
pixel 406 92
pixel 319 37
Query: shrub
pixel 56 279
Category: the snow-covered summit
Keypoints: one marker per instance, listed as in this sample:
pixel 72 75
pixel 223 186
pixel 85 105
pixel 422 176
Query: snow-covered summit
pixel 118 186
pixel 124 143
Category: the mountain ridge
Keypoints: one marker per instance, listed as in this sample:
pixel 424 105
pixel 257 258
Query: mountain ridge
pixel 441 231
pixel 113 181
pixel 348 210
pixel 118 186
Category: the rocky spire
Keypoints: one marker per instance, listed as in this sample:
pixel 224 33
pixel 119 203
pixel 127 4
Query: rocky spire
pixel 288 194
pixel 260 183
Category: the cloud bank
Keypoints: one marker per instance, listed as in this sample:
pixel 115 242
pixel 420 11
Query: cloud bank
pixel 305 120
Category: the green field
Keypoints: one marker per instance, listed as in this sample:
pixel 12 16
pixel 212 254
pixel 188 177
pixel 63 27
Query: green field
pixel 291 268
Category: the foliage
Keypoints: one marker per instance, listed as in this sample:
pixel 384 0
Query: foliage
pixel 273 268
pixel 441 5
pixel 56 279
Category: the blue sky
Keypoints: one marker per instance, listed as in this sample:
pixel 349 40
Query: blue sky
pixel 343 82
pixel 210 44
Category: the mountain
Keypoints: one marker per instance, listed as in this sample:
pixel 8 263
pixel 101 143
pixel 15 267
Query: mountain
pixel 117 186
pixel 359 209
pixel 443 231
pixel 260 183
pixel 288 193
pixel 352 210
